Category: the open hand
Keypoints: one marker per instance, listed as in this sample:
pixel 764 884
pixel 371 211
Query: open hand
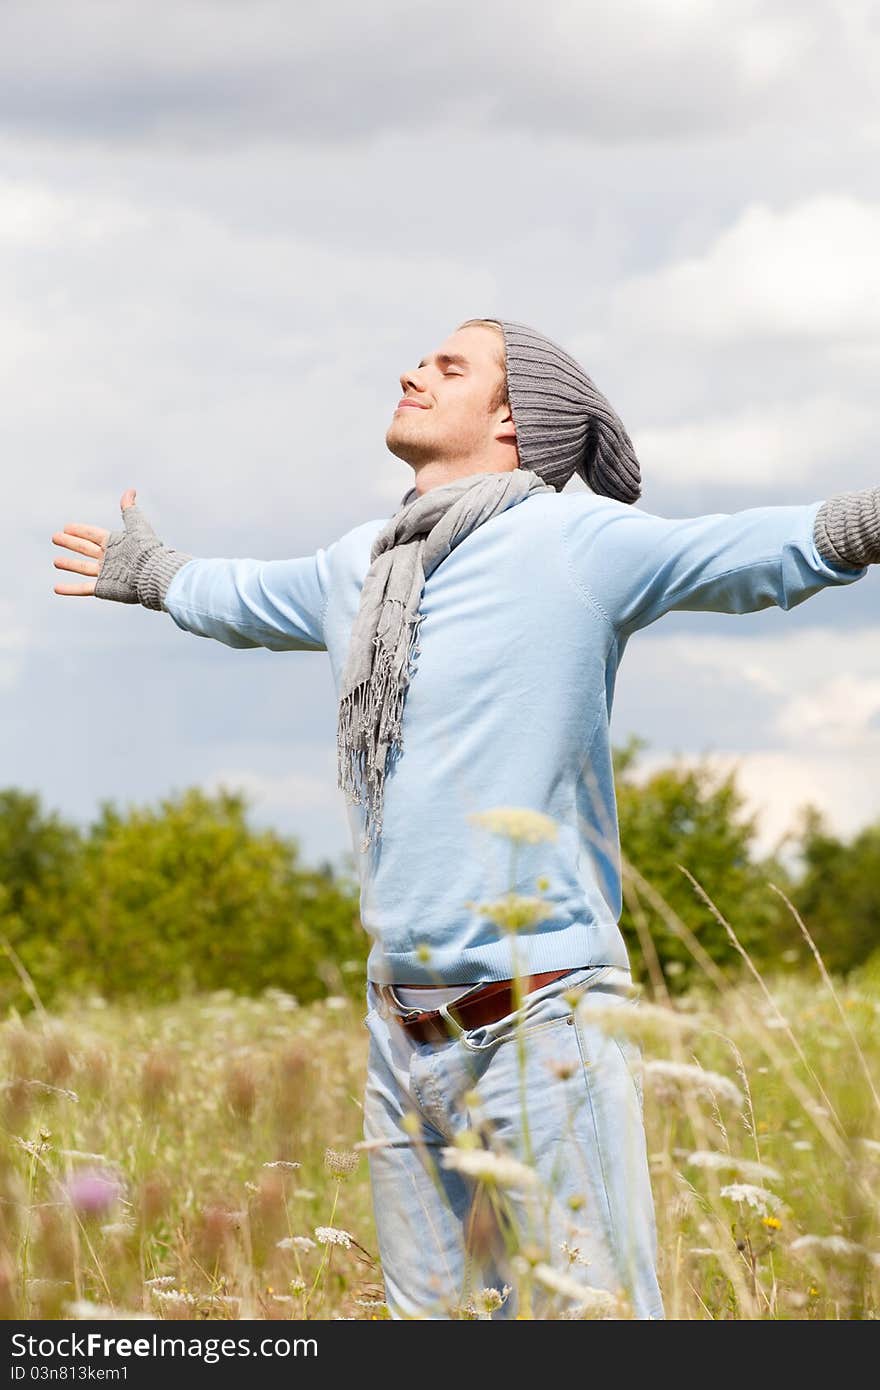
pixel 89 542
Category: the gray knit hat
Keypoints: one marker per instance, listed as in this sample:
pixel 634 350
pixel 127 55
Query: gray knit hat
pixel 564 424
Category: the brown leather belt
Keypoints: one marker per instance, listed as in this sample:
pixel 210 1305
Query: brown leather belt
pixel 485 1005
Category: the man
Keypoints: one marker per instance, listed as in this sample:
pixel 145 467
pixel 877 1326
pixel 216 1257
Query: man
pixel 485 1047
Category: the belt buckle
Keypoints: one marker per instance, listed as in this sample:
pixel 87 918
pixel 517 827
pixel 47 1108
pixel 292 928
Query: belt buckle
pixel 394 1004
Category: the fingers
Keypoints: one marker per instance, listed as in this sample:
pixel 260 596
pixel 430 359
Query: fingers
pixel 77 589
pixel 78 566
pixel 98 535
pixel 71 541
pixel 128 498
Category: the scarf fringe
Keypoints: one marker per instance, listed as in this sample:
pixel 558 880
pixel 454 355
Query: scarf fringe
pixel 358 737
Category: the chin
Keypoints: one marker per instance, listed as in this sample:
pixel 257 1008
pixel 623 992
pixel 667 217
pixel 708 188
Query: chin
pixel 407 449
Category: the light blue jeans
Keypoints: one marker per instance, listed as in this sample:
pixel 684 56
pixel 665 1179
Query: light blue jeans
pixel 446 1236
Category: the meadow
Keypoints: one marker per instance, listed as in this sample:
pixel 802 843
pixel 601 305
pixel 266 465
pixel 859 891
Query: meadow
pixel 199 1159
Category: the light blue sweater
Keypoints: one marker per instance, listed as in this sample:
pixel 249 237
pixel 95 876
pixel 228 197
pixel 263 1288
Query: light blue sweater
pixel 525 623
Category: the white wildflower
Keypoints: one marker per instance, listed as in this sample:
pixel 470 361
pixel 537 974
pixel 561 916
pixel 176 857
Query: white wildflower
pixel 514 911
pixel 370 1302
pixel 230 1302
pixel 330 1235
pixel 82 1309
pixel 175 1296
pixel 340 1163
pixel 281 1163
pixel 747 1168
pixel 834 1245
pixel 658 1071
pixel 757 1197
pixel 486 1301
pixel 295 1243
pixel 574 1253
pixel 589 1300
pixel 640 1021
pixel 161 1281
pixel 488 1167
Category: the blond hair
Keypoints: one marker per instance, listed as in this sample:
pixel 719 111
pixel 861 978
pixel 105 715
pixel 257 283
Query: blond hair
pixel 500 396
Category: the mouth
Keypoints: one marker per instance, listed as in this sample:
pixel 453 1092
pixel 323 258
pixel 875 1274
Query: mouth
pixel 410 405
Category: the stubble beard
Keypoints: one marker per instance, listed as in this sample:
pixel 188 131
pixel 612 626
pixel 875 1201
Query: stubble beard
pixel 420 445
pixel 413 446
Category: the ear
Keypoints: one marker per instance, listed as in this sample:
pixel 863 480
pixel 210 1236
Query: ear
pixel 505 427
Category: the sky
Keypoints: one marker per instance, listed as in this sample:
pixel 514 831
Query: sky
pixel 227 228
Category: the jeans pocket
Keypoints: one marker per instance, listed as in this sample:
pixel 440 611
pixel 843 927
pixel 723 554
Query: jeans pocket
pixel 546 1007
pixel 601 1032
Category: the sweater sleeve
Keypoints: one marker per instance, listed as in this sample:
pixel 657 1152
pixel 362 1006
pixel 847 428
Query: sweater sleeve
pixel 277 604
pixel 635 566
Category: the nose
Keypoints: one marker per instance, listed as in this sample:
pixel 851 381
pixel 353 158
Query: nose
pixel 410 379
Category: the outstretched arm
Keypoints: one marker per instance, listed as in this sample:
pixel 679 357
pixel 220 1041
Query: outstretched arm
pixel 635 566
pixel 243 603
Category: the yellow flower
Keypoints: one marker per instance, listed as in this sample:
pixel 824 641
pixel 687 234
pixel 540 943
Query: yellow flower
pixel 517 823
pixel 771 1222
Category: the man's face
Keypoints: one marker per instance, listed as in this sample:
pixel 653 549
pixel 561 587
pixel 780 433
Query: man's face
pixel 451 390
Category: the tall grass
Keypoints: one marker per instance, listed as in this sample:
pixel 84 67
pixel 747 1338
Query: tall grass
pixel 174 1160
pixel 201 1159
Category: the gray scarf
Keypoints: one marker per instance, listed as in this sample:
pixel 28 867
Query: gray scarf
pixel 404 554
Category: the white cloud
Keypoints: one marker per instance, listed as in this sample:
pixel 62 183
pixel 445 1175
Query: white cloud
pixel 838 714
pixel 616 72
pixel 816 712
pixel 758 445
pixel 224 234
pixel 286 792
pixel 189 352
pixel 776 784
pixel 808 271
pixel 826 681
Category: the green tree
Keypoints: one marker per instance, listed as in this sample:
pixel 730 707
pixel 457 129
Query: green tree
pixel 838 894
pixel 159 902
pixel 693 817
pixel 189 897
pixel 40 855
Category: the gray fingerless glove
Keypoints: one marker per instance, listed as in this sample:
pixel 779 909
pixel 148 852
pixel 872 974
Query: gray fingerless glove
pixel 137 567
pixel 847 528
